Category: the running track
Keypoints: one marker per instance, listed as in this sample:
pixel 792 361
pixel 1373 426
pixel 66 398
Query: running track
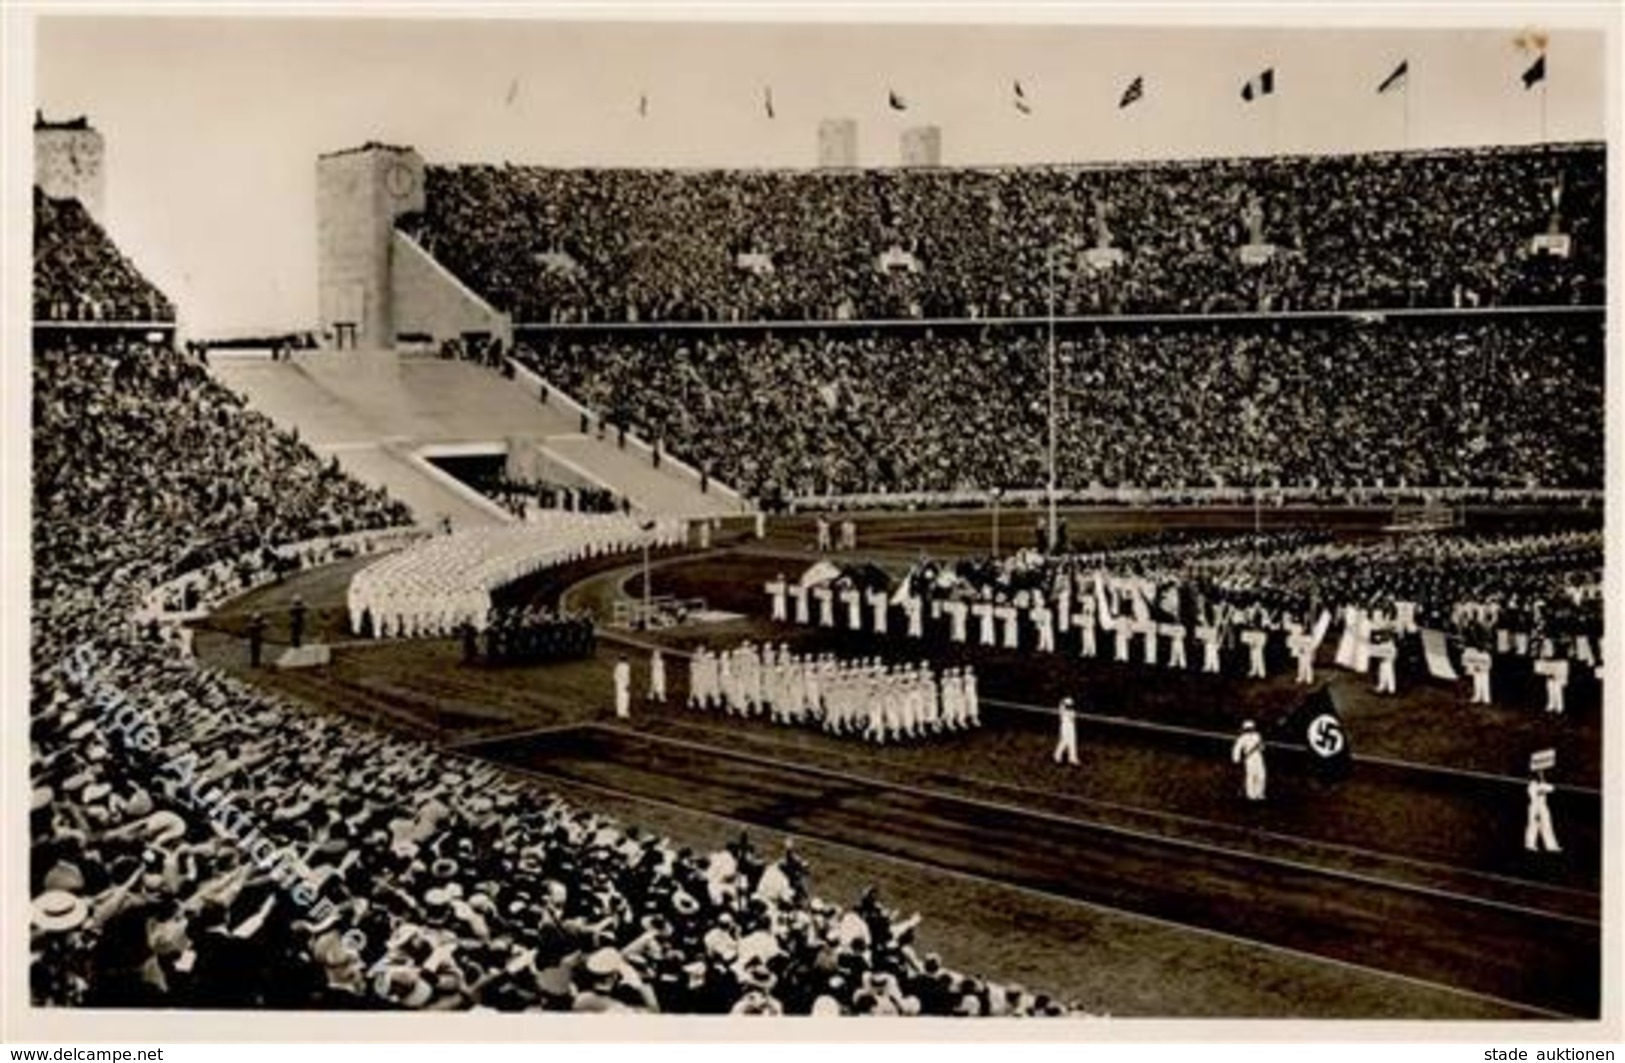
pixel 1541 959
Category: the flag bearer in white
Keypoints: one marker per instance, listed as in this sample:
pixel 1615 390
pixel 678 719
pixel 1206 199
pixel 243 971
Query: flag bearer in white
pixel 1084 620
pixel 1122 632
pixel 1302 645
pixel 1248 751
pixel 915 608
pixel 1175 633
pixel 1208 636
pixel 826 606
pixel 956 611
pixel 984 622
pixel 1044 621
pixel 1008 617
pixel 1066 747
pixel 777 589
pixel 853 599
pixel 879 605
pixel 1254 640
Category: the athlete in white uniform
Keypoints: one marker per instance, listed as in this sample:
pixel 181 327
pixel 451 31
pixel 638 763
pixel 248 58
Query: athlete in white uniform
pixel 1248 751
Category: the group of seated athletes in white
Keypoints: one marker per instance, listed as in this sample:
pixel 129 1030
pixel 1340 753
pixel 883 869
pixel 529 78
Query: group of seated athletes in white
pixel 1112 616
pixel 434 588
pixel 865 698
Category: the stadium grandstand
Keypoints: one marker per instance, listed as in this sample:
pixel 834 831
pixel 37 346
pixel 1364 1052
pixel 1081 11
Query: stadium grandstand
pixel 1040 429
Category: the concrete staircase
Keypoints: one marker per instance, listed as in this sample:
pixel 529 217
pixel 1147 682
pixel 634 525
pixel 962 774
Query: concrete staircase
pixel 376 410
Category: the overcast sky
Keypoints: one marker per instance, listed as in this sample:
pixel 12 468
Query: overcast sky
pixel 213 124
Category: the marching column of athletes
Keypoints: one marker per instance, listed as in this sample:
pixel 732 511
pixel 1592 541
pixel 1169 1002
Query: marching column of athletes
pixel 865 698
pixel 1090 626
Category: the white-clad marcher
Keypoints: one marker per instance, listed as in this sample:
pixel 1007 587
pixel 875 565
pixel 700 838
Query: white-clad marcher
pixel 1302 645
pixel 657 677
pixel 1384 653
pixel 1248 751
pixel 1477 664
pixel 1557 677
pixel 1208 636
pixel 1254 641
pixel 777 589
pixel 1044 621
pixel 1538 833
pixel 623 689
pixel 1066 746
pixel 1175 634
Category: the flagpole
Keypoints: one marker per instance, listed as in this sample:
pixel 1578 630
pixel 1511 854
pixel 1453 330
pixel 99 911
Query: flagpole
pixel 1405 90
pixel 1051 541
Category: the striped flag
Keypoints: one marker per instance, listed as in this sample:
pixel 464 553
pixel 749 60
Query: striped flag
pixel 1260 86
pixel 1396 80
pixel 1135 90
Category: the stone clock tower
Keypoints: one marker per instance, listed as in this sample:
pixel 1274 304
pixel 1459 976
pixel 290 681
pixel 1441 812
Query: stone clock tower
pixel 359 194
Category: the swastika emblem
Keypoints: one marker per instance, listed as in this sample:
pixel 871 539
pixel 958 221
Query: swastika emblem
pixel 1326 735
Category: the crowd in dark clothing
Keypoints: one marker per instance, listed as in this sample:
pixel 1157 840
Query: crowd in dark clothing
pixel 1449 228
pixel 517 496
pixel 80 274
pixel 1505 403
pixel 528 635
pixel 197 842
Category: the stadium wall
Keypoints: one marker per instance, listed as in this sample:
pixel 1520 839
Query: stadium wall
pixel 428 301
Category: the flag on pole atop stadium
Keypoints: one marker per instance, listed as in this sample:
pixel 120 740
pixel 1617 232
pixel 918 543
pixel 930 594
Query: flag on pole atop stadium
pixel 643 105
pixel 1021 101
pixel 1536 73
pixel 1132 94
pixel 895 100
pixel 1262 85
pixel 1397 79
pixel 767 101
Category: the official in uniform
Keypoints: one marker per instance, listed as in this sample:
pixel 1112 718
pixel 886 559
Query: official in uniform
pixel 256 638
pixel 1066 746
pixel 657 677
pixel 296 622
pixel 623 689
pixel 1538 834
pixel 1248 751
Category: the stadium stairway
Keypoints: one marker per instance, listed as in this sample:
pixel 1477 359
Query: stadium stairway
pixel 375 410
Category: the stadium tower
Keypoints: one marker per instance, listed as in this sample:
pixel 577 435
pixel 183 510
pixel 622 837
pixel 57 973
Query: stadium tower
pixel 376 286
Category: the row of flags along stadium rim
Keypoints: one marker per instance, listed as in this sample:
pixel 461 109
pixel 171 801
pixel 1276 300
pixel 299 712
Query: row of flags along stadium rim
pixel 1254 88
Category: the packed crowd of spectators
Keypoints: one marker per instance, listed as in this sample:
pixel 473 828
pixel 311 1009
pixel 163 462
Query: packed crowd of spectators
pixel 80 274
pixel 1449 228
pixel 196 842
pixel 1512 403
